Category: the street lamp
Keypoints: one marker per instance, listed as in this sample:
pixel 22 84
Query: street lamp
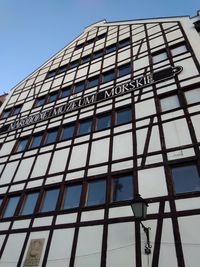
pixel 139 208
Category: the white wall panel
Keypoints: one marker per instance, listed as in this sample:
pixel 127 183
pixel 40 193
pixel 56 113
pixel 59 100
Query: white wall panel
pixel 141 139
pixel 99 151
pixel 121 245
pixel 59 160
pixel 60 249
pixel 145 108
pixel 8 172
pixel 27 105
pixel 189 68
pixel 154 143
pixel 7 148
pixel 78 157
pixel 24 169
pixel 122 146
pixel 89 253
pixel 196 124
pixel 41 165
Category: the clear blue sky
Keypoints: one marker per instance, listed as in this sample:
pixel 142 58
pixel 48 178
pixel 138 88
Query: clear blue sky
pixel 32 31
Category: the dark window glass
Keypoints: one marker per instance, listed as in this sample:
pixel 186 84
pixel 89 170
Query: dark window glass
pixel 1 200
pixel 62 69
pixel 79 87
pixel 94 81
pixel 53 97
pixel 74 64
pixel 6 114
pixel 85 59
pixel 108 76
pixel 79 46
pixel 101 36
pixel 110 48
pixel 123 116
pixel 186 178
pixel 103 122
pixel 65 92
pixel 16 110
pixel 98 54
pixel 29 204
pixel 124 42
pixel 22 145
pixel 72 197
pixel 36 141
pixel 90 41
pixel 122 188
pixel 67 132
pixel 96 193
pixel 50 200
pixel 85 127
pixel 11 207
pixel 40 101
pixel 51 73
pixel 124 70
pixel 51 137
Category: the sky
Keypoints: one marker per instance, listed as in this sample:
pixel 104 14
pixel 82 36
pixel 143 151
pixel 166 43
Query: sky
pixel 33 31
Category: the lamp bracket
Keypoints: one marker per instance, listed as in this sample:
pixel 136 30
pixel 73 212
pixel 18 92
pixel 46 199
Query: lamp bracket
pixel 148 246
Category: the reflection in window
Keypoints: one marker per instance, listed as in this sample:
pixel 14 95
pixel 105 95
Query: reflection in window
pixel 74 64
pixel 103 122
pixel 123 116
pixel 36 141
pixel 40 101
pixel 186 178
pixel 169 102
pixel 22 145
pixel 50 200
pixel 62 69
pixel 85 127
pixel 51 137
pixel 29 203
pixel 11 207
pixel 16 110
pixel 72 197
pixel 96 193
pixel 67 132
pixel 122 188
pixel 159 57
pixel 193 96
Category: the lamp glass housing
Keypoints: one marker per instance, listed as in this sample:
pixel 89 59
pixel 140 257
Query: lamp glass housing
pixel 139 207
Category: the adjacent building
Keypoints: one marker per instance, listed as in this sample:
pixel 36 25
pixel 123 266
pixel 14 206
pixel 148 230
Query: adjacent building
pixel 113 114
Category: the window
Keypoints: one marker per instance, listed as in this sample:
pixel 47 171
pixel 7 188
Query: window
pixel 98 54
pixel 16 110
pixel 62 69
pixel 78 46
pixel 123 116
pixel 101 36
pixel 85 59
pixel 11 207
pixel 96 193
pixel 79 87
pixel 181 48
pixel 6 114
pixel 186 178
pixel 108 76
pixel 51 73
pixel 103 122
pixel 51 136
pixel 193 96
pixel 52 97
pixel 67 132
pixel 122 188
pixel 85 127
pixel 36 141
pixel 94 81
pixel 74 64
pixel 40 101
pixel 21 146
pixel 29 203
pixel 124 42
pixel 72 197
pixel 110 48
pixel 124 70
pixel 169 102
pixel 50 200
pixel 65 92
pixel 157 57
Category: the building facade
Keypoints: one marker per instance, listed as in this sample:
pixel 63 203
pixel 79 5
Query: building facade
pixel 113 114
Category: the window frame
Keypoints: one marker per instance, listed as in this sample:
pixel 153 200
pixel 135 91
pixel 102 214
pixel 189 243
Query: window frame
pixel 43 200
pixel 123 109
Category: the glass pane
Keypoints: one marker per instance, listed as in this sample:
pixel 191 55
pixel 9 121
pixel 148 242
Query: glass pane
pixel 65 92
pixel 22 145
pixel 67 132
pixel 5 114
pixel 85 127
pixel 52 97
pixel 11 207
pixel 29 204
pixel 122 188
pixel 111 48
pixel 40 102
pixel 51 137
pixel 186 179
pixel 96 193
pixel 123 116
pixel 93 82
pixel 124 70
pixel 109 76
pixel 79 87
pixel 51 73
pixel 85 59
pixel 16 110
pixel 72 197
pixel 169 103
pixel 160 57
pixel 74 64
pixel 62 69
pixel 98 54
pixel 50 200
pixel 178 50
pixel 103 122
pixel 124 42
pixel 193 96
pixel 36 141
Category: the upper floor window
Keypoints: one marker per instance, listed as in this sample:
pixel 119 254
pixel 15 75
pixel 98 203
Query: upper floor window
pixel 124 70
pixel 85 127
pixel 85 59
pixel 6 113
pixel 123 116
pixel 51 73
pixel 122 188
pixel 66 91
pixel 110 48
pixel 36 141
pixel 186 178
pixel 40 101
pixel 49 200
pixel 52 97
pixel 51 136
pixel 192 96
pixel 169 102
pixel 96 193
pixel 67 132
pixel 108 76
pixel 124 42
pixel 72 196
pixel 103 122
pixel 21 145
pixel 74 64
pixel 16 110
pixel 79 87
pixel 159 56
pixel 62 69
pixel 93 81
pixel 11 207
pixel 98 54
pixel 29 203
